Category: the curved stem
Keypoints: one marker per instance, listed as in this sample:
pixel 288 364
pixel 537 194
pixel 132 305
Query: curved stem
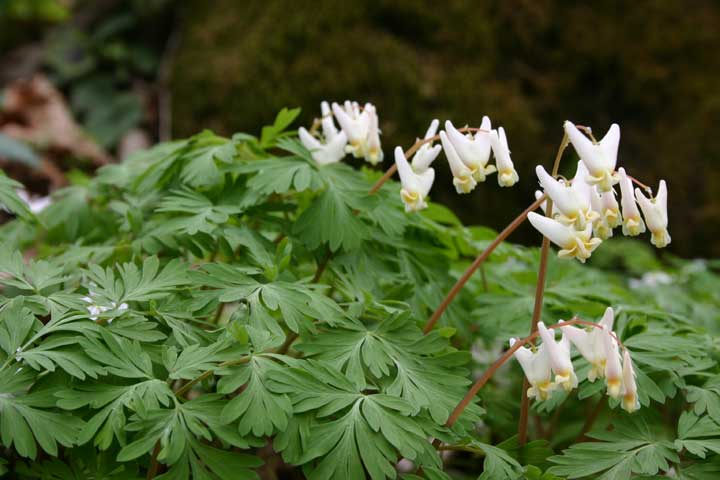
pixel 208 373
pixel 479 261
pixel 410 152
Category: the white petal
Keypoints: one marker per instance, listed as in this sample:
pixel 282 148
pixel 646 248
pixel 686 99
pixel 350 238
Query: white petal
pixel 558 233
pixel 432 129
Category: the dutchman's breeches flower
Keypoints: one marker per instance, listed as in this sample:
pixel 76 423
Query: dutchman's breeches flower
pixel 600 159
pixel 655 212
pixel 630 402
pixel 361 128
pixel 591 345
pixel 331 152
pixel 473 151
pixel 560 360
pixel 536 365
pixel 507 176
pixel 571 201
pixel 632 222
pixel 613 368
pixel 415 187
pixel 427 153
pixel 462 175
pixel 573 243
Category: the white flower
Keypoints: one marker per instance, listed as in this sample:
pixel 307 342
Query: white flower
pixel 630 401
pixel 632 221
pixel 601 227
pixel 462 175
pixel 427 153
pixel 415 187
pixel 613 369
pixel 35 204
pixel 560 360
pixel 95 310
pixel 543 205
pixel 361 128
pixel 573 243
pixel 374 153
pixel 473 151
pixel 328 124
pixel 655 212
pixel 331 152
pixel 591 345
pixel 610 209
pixel 507 176
pixel 536 366
pixel 573 201
pixel 600 158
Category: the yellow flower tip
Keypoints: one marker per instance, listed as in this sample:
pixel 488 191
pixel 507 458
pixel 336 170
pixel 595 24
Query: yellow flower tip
pixel 375 156
pixel 507 177
pixel 612 217
pixel 464 184
pixel 413 201
pixel 541 390
pixel 630 403
pixel 604 182
pixel 660 238
pixel 614 385
pixel 597 370
pixel 565 380
pixel 633 227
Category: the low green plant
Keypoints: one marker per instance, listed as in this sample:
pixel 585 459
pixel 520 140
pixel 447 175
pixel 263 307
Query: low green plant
pixel 223 308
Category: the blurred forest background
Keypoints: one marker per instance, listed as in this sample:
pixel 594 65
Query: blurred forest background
pixel 88 82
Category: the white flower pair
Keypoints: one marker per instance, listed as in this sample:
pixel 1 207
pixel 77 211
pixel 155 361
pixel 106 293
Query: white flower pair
pixel 598 346
pixel 468 156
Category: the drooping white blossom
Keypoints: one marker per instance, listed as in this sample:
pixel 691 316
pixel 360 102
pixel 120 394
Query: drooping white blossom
pixel 361 128
pixel 572 201
pixel 427 153
pixel 630 402
pixel 632 222
pixel 507 176
pixel 415 186
pixel 573 243
pixel 536 365
pixel 474 151
pixel 591 344
pixel 462 175
pixel 599 158
pixel 655 212
pixel 324 153
pixel 560 361
pixel 613 367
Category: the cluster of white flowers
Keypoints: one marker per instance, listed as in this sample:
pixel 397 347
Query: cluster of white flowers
pixel 468 156
pixel 599 346
pixel 94 309
pixel 586 210
pixel 359 134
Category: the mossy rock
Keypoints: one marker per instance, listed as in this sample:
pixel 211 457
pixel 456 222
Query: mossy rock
pixel 528 65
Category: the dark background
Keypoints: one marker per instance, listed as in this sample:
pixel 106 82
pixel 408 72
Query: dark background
pixel 227 65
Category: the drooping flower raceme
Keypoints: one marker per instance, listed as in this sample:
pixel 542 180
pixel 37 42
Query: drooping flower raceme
pixel 599 158
pixel 374 153
pixel 507 176
pixel 560 361
pixel 462 175
pixel 324 153
pixel 415 186
pixel 573 243
pixel 536 365
pixel 427 153
pixel 599 346
pixel 655 212
pixel 474 151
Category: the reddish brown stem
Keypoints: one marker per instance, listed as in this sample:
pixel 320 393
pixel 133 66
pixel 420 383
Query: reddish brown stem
pixel 410 152
pixel 479 261
pixel 154 465
pixel 322 266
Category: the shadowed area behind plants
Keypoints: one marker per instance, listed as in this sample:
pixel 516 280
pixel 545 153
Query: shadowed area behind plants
pixel 528 65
